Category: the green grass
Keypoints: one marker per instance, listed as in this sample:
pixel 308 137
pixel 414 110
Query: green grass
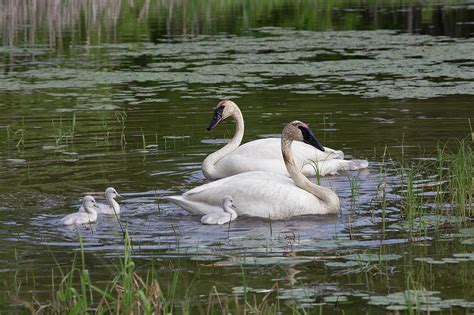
pixel 134 291
pixel 442 188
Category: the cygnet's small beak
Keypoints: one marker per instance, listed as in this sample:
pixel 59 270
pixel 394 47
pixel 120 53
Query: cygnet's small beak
pixel 310 138
pixel 217 118
pixel 118 195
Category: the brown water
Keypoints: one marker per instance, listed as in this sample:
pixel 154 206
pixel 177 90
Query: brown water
pixel 92 97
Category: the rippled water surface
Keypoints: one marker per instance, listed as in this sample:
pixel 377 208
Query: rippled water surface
pixel 119 93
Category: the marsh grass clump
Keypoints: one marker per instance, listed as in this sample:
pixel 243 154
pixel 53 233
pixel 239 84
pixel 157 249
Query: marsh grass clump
pixel 437 192
pixel 127 293
pixel 455 169
pixel 131 291
pixel 460 177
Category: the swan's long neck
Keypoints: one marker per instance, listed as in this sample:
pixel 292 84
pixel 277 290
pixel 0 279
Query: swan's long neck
pixel 209 163
pixel 326 195
pixel 231 211
pixel 114 204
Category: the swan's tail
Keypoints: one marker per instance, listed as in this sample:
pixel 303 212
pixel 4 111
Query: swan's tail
pixel 333 154
pixel 338 154
pixel 358 164
pixel 184 203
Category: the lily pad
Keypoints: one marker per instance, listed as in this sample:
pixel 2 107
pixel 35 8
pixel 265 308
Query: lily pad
pixel 469 241
pixel 345 264
pixel 421 300
pixel 372 257
pixel 238 261
pixel 335 299
pixel 205 257
pixel 468 231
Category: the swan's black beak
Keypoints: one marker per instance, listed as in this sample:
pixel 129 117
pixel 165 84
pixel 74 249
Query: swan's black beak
pixel 217 118
pixel 310 138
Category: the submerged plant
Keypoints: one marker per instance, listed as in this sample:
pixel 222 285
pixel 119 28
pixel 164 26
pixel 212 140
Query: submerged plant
pixel 64 132
pixel 20 144
pixel 121 119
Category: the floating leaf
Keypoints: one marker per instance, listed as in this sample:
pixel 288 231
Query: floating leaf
pixel 372 257
pixel 335 299
pixel 237 261
pixel 345 264
pixel 469 241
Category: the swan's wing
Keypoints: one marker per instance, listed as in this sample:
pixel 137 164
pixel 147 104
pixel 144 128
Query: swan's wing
pixel 69 219
pixel 332 167
pixel 270 148
pixel 207 198
pixel 233 164
pixel 261 194
pixel 218 217
pixel 265 155
pixel 77 218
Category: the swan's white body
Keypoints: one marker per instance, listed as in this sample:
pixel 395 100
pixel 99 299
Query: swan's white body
pixel 112 208
pixel 225 215
pixel 264 194
pixel 89 215
pixel 265 154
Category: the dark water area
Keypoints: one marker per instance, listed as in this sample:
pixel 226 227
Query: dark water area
pixel 119 93
pixel 63 25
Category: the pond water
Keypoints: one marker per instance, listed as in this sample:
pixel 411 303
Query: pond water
pixel 119 93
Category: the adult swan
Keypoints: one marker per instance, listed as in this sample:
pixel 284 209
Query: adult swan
pixel 264 154
pixel 266 194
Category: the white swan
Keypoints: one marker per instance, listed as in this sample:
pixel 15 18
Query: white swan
pixel 266 194
pixel 221 217
pixel 265 154
pixel 87 216
pixel 112 207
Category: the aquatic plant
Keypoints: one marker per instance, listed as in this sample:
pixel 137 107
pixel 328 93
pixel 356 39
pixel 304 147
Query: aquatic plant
pixel 133 292
pixel 440 192
pixel 121 118
pixel 64 133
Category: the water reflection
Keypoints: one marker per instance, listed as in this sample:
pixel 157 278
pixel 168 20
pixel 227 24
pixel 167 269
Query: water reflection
pixel 62 24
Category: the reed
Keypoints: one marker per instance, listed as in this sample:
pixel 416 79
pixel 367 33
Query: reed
pixel 64 132
pixel 133 292
pixel 121 118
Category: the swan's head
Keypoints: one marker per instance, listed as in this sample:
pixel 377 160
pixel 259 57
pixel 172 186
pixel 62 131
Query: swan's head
pixel 111 192
pixel 297 130
pixel 88 202
pixel 223 110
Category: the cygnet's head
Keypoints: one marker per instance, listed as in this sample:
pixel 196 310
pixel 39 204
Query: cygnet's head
pixel 111 193
pixel 223 110
pixel 297 130
pixel 88 202
pixel 227 201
